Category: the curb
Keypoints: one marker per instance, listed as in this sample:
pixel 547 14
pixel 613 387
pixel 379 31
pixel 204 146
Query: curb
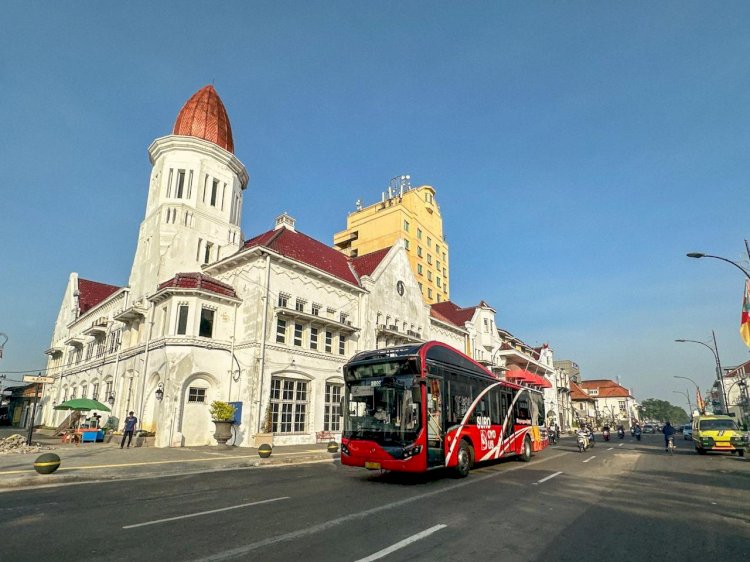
pixel 87 474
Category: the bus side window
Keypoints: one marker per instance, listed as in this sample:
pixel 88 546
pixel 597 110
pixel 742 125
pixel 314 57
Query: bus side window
pixel 496 416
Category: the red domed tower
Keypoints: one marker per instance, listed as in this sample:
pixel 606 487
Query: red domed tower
pixel 194 208
pixel 205 117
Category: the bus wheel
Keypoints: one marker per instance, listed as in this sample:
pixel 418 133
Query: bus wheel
pixel 465 454
pixel 525 455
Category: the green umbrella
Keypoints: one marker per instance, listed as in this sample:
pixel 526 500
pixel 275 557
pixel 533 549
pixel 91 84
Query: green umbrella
pixel 82 404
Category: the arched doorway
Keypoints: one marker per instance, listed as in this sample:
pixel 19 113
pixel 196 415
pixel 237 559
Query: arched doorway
pixel 197 393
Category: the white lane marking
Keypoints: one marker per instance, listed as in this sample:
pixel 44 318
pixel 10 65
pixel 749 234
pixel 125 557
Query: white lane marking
pixel 401 544
pixel 588 459
pixel 550 477
pixel 331 523
pixel 610 448
pixel 202 513
pixel 620 445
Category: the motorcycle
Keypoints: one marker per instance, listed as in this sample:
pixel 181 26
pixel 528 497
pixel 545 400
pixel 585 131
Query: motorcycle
pixel 638 434
pixel 552 437
pixel 621 433
pixel 605 434
pixel 582 440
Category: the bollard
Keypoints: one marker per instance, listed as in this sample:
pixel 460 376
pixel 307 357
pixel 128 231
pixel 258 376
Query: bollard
pixel 264 451
pixel 333 447
pixel 47 463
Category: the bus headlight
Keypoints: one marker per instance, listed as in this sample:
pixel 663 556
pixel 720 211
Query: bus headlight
pixel 412 450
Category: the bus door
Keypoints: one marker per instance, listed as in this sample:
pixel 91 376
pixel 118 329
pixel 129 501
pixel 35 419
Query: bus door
pixel 435 433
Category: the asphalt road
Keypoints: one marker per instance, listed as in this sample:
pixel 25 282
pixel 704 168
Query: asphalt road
pixel 622 500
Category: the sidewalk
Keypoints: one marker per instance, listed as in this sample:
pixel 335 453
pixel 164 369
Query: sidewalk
pixel 106 461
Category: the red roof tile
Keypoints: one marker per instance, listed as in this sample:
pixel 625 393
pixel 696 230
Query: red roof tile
pixel 91 293
pixel 606 388
pixel 205 117
pixel 365 265
pixel 576 393
pixel 199 281
pixel 435 314
pixel 302 248
pixel 454 314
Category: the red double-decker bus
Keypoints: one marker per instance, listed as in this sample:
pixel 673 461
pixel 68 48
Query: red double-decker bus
pixel 418 407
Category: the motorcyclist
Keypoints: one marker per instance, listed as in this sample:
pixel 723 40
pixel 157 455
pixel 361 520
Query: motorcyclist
pixel 590 433
pixel 637 431
pixel 620 431
pixel 605 432
pixel 552 434
pixel 583 435
pixel 668 432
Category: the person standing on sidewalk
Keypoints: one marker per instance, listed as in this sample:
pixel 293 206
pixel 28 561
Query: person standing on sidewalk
pixel 127 432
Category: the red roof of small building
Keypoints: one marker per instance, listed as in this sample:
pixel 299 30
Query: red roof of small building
pixel 606 388
pixel 91 293
pixel 204 116
pixel 576 393
pixel 453 313
pixel 199 281
pixel 365 265
pixel 302 248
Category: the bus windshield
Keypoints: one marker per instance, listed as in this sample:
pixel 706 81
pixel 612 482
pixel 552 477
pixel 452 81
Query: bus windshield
pixel 382 409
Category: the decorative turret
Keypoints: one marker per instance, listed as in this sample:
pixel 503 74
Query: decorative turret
pixel 194 207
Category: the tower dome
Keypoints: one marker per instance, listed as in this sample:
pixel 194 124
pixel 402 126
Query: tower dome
pixel 204 116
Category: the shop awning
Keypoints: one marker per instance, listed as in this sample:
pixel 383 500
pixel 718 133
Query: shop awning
pixel 526 377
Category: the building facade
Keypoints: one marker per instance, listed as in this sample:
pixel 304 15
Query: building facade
pixel 265 323
pixel 408 214
pixel 614 404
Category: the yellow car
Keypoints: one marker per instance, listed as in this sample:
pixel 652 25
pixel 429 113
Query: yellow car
pixel 718 433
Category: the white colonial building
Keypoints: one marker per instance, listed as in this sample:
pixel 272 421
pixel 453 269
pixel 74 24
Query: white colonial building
pixel 265 323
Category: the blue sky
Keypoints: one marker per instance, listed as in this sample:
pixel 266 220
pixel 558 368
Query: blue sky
pixel 578 150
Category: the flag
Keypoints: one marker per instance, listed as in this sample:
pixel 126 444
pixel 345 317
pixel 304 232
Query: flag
pixel 699 402
pixel 745 317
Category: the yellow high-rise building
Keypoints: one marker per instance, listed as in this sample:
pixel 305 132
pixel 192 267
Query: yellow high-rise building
pixel 411 214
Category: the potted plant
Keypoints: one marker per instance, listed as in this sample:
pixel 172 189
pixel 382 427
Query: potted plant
pixel 222 414
pixel 265 436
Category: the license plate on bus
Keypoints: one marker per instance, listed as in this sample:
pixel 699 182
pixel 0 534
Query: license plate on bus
pixel 372 465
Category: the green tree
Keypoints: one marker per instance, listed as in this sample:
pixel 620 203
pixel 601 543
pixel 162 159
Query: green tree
pixel 661 410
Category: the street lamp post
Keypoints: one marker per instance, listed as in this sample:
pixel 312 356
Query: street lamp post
pixel 719 377
pixel 686 394
pixel 697 388
pixel 735 264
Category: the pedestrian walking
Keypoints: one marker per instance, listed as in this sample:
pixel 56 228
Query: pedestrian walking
pixel 127 432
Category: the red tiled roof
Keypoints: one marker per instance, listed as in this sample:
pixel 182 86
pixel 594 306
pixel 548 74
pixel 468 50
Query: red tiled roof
pixel 576 393
pixel 309 251
pixel 199 281
pixel 435 314
pixel 205 117
pixel 91 293
pixel 365 265
pixel 606 388
pixel 453 313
